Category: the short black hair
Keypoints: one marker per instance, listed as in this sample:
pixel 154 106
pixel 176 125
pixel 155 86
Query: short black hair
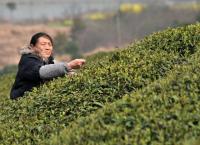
pixel 36 36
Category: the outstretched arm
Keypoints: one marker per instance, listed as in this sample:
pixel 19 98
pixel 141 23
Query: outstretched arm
pixel 53 70
pixel 59 69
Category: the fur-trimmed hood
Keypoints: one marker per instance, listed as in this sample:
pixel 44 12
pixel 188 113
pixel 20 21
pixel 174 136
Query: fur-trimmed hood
pixel 26 50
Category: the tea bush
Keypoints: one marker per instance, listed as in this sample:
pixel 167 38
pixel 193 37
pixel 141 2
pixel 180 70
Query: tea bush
pixel 51 107
pixel 6 81
pixel 167 111
pixel 105 79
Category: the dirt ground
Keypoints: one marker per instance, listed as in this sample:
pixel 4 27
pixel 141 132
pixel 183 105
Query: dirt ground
pixel 14 37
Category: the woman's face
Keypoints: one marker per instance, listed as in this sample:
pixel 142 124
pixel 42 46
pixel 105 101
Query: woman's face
pixel 43 47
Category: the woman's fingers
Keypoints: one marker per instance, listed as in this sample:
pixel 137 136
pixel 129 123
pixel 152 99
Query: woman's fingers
pixel 81 61
pixel 76 63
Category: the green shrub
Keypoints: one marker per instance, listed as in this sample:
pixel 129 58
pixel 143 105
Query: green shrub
pixel 6 81
pixel 183 39
pixel 165 112
pixel 51 107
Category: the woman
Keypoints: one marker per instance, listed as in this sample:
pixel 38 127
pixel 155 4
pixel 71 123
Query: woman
pixel 37 65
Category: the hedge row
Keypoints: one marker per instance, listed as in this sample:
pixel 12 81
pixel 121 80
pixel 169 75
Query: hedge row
pixel 50 108
pixel 6 81
pixel 166 112
pixel 47 110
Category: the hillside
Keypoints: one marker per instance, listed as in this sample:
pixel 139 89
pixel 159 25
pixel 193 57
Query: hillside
pixel 147 93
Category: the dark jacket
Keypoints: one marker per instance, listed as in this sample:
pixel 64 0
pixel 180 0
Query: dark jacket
pixel 28 74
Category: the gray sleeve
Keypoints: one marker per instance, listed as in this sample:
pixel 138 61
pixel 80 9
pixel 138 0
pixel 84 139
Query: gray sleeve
pixel 53 70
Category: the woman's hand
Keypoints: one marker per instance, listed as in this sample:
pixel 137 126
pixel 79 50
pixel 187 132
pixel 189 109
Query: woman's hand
pixel 76 63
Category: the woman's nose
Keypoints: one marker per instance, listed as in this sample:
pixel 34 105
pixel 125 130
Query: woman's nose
pixel 47 48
